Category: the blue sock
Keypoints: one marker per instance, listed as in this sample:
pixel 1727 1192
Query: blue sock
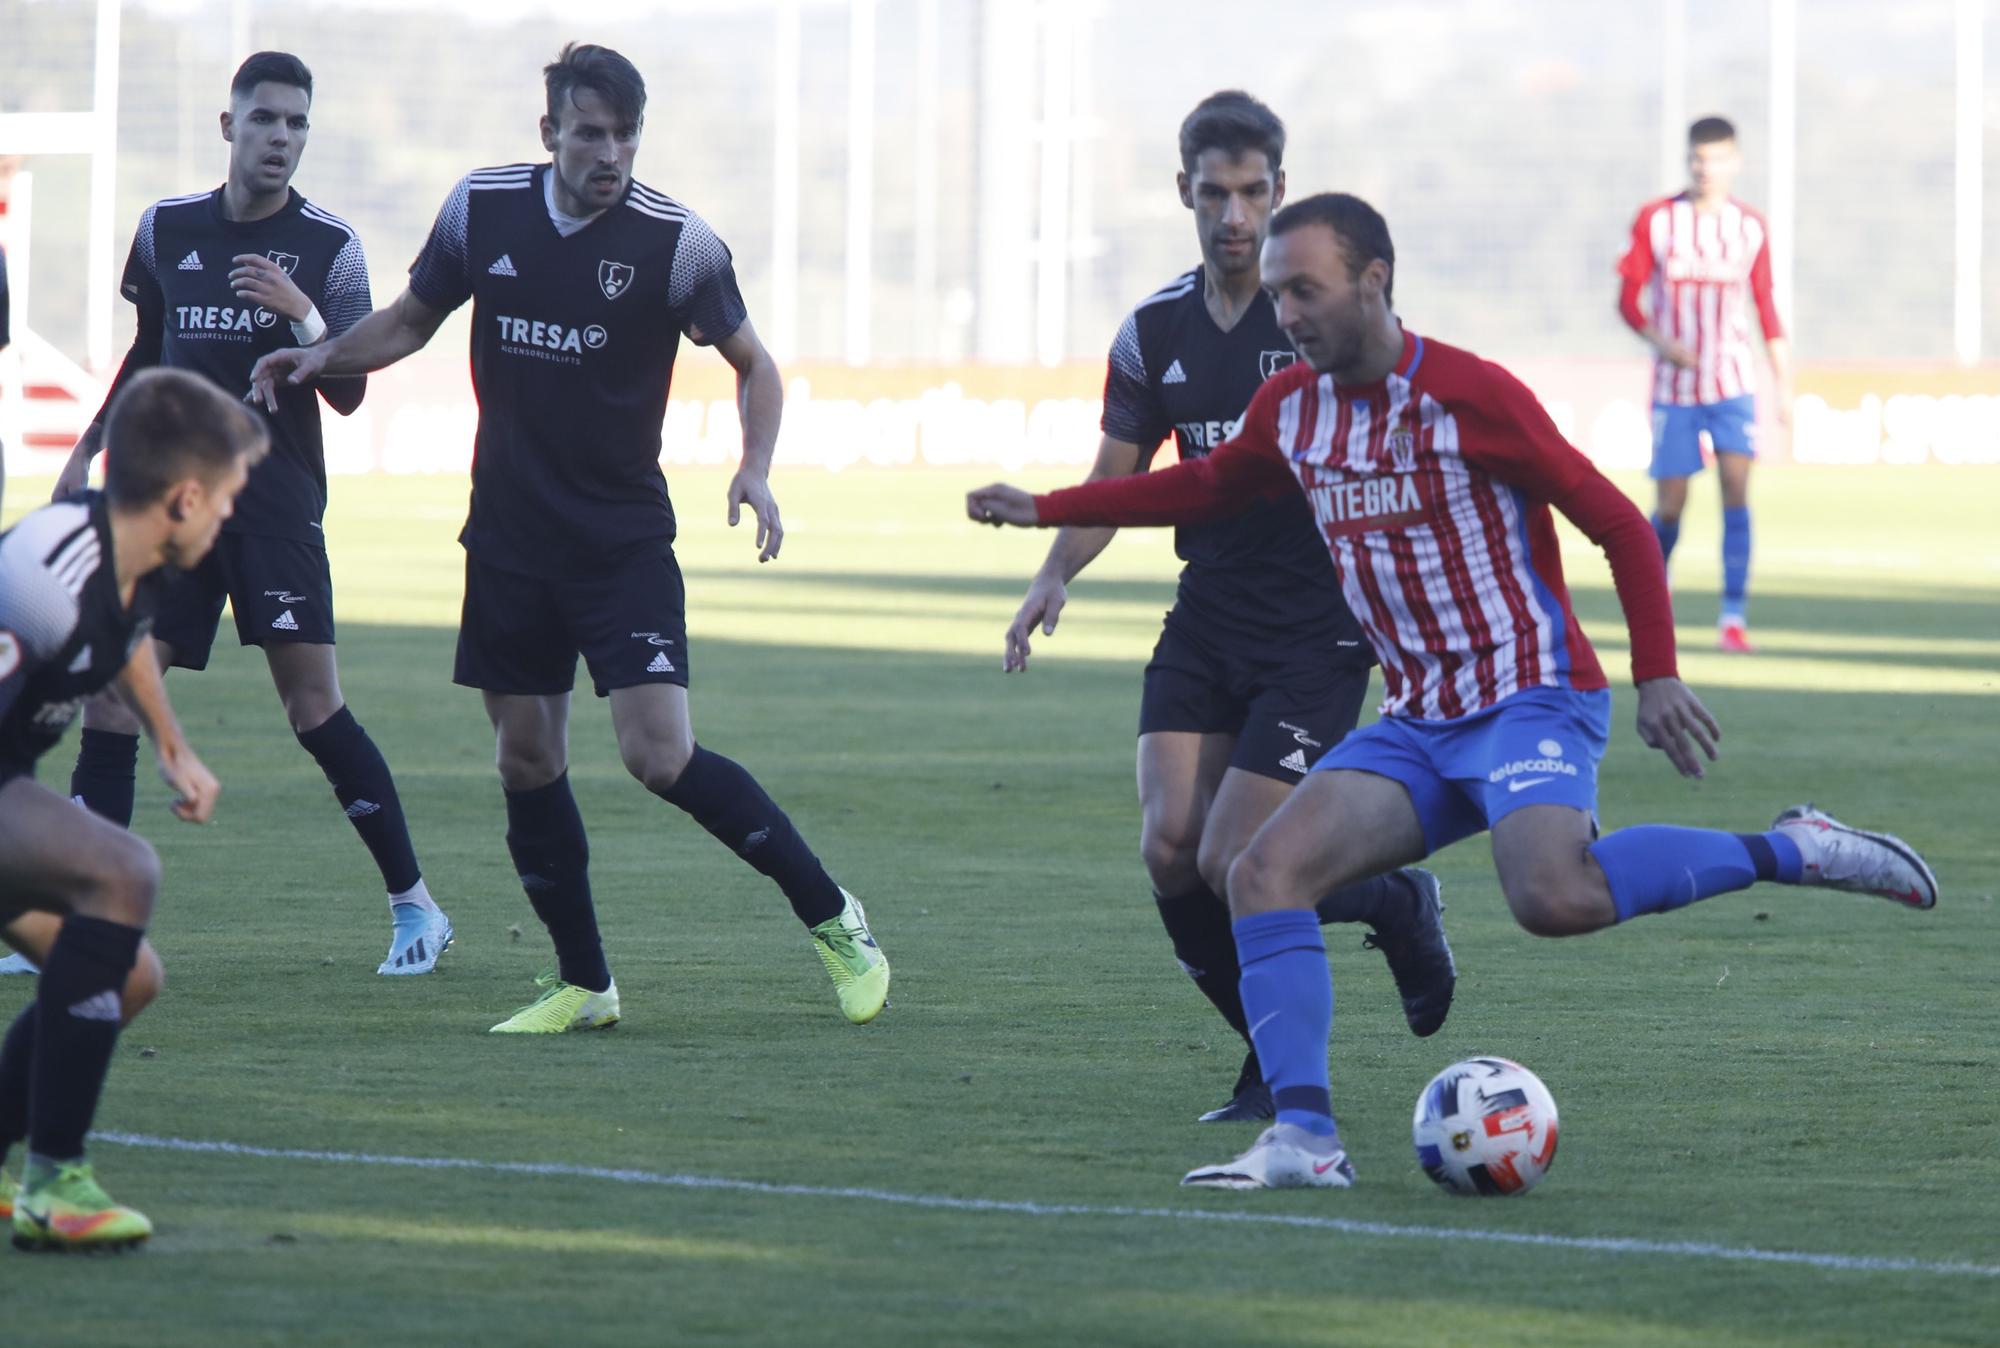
pixel 1735 561
pixel 1669 533
pixel 1288 999
pixel 1655 868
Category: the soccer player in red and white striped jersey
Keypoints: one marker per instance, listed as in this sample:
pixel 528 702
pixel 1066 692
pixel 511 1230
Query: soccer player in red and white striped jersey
pixel 1431 475
pixel 1698 262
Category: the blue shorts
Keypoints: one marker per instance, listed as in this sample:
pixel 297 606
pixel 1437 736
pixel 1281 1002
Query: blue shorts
pixel 1538 747
pixel 1731 425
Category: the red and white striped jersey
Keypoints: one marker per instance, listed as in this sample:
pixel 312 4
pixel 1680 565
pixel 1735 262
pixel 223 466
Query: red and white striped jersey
pixel 1695 270
pixel 1432 490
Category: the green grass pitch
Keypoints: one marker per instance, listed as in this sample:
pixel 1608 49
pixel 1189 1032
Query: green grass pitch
pixel 1778 1070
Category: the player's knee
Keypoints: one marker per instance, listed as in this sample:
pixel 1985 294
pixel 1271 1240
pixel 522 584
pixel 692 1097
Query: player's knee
pixel 656 764
pixel 124 879
pixel 526 767
pixel 1172 858
pixel 105 712
pixel 1549 909
pixel 1254 883
pixel 144 984
pixel 1215 857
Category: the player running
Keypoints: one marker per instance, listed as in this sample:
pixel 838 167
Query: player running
pixel 1431 474
pixel 219 278
pixel 583 282
pixel 1695 258
pixel 79 581
pixel 1260 667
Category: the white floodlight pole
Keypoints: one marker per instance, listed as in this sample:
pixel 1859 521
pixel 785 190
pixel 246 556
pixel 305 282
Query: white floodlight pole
pixel 1673 92
pixel 1970 185
pixel 1006 66
pixel 785 183
pixel 103 188
pixel 924 253
pixel 860 178
pixel 1052 252
pixel 1784 132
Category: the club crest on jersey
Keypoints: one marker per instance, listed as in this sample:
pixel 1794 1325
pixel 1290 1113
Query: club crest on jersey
pixel 287 262
pixel 614 278
pixel 1270 362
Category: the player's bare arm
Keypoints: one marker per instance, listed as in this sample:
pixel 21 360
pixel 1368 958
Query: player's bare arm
pixel 760 402
pixel 379 340
pixel 1073 549
pixel 140 687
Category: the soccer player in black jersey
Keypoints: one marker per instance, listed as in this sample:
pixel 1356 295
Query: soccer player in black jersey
pixel 583 283
pixel 79 582
pixel 1260 668
pixel 219 278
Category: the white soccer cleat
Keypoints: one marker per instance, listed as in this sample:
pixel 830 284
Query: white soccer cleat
pixel 18 964
pixel 1286 1156
pixel 421 935
pixel 1839 857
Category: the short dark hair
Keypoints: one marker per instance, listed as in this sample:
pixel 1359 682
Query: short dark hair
pixel 1363 233
pixel 271 67
pixel 1235 123
pixel 585 65
pixel 1710 130
pixel 167 425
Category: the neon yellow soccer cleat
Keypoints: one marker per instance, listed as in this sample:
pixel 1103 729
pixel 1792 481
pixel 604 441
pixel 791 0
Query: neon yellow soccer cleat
pixel 563 1006
pixel 68 1211
pixel 859 969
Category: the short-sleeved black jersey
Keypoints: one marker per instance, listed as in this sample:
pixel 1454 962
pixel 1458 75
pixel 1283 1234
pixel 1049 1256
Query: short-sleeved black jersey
pixel 573 345
pixel 64 634
pixel 178 277
pixel 1263 575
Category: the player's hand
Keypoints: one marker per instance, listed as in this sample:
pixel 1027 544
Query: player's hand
pixel 1001 504
pixel 75 474
pixel 292 365
pixel 1676 355
pixel 194 786
pixel 1670 716
pixel 259 280
pixel 1043 605
pixel 750 488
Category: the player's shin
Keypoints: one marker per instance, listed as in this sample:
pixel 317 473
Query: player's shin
pixel 1654 868
pixel 367 793
pixel 1288 997
pixel 552 856
pixel 1198 925
pixel 720 794
pixel 77 1018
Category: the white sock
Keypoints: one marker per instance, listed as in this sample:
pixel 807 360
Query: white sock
pixel 416 894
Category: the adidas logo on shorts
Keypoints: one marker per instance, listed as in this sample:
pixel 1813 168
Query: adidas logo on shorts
pixel 660 665
pixel 1295 760
pixel 285 622
pixel 1174 375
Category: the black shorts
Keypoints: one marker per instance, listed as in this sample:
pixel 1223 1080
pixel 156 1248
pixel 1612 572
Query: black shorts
pixel 280 589
pixel 1285 707
pixel 522 634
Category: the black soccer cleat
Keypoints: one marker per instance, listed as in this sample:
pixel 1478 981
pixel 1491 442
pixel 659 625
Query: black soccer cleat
pixel 1410 934
pixel 1252 1101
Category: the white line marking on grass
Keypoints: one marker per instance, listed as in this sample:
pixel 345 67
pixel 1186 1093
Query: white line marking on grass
pixel 1847 1263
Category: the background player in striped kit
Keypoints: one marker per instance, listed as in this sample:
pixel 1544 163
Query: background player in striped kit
pixel 212 275
pixel 1697 260
pixel 583 283
pixel 1260 667
pixel 1432 475
pixel 79 581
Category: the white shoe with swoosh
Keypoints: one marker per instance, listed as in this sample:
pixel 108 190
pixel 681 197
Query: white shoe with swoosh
pixel 1285 1156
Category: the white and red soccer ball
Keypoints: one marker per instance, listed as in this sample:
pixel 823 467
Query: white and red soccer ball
pixel 1485 1126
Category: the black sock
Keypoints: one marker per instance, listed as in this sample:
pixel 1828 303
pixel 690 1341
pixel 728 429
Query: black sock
pixel 1361 901
pixel 1197 922
pixel 364 788
pixel 552 856
pixel 17 1050
pixel 77 1014
pixel 725 799
pixel 106 774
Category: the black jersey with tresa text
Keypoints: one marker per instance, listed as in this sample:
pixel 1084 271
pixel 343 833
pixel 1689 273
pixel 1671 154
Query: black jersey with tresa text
pixel 178 277
pixel 573 344
pixel 64 633
pixel 1263 575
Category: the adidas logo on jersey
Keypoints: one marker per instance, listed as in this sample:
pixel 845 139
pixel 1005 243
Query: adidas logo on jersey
pixel 1295 760
pixel 503 266
pixel 285 622
pixel 1174 375
pixel 192 262
pixel 660 665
